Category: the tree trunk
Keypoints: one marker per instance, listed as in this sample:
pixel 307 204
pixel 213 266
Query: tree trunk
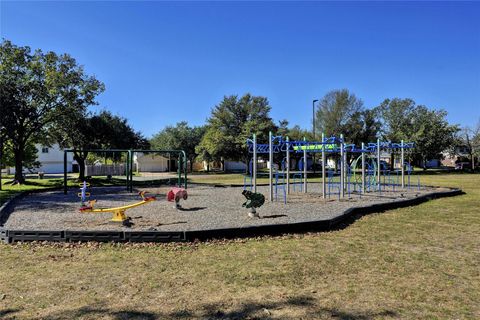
pixel 81 169
pixel 81 166
pixel 191 165
pixel 19 153
pixel 473 161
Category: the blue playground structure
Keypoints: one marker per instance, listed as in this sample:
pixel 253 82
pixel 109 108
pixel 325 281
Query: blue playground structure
pixel 367 172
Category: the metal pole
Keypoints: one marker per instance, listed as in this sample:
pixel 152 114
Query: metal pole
pixel 288 165
pixel 179 170
pixel 127 162
pixel 345 170
pixel 131 172
pixel 342 171
pixel 402 160
pixel 270 172
pixel 64 172
pixel 324 185
pixel 254 164
pixel 185 168
pixel 379 171
pixel 313 120
pixel 363 167
pixel 313 117
pixel 305 162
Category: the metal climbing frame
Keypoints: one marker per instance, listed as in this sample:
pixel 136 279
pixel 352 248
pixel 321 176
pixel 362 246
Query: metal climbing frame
pixel 370 172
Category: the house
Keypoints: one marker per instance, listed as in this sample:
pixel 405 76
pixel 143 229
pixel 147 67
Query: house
pixel 150 162
pixel 460 156
pixel 51 160
pixel 230 166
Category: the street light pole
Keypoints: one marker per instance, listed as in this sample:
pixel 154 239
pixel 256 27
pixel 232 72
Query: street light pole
pixel 313 125
pixel 313 116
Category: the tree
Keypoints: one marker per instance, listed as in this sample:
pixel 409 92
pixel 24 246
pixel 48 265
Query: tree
pixel 36 89
pixel 402 119
pixel 83 131
pixel 470 137
pixel 336 111
pixel 231 123
pixel 179 137
pixel 431 133
pixel 364 126
pixel 30 159
pixel 114 132
pixel 282 129
pixel 396 117
pixel 341 112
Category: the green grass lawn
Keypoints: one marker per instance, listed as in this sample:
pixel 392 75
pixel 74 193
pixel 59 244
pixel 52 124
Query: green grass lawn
pixel 8 191
pixel 409 263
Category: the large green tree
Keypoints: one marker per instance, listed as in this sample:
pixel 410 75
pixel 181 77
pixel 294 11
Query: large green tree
pixel 232 121
pixel 36 89
pixel 104 130
pixel 179 137
pixel 431 133
pixel 402 119
pixel 30 160
pixel 341 112
pixel 396 116
pixel 335 112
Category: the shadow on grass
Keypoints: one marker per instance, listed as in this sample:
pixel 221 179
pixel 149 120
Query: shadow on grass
pixel 302 306
pixel 6 312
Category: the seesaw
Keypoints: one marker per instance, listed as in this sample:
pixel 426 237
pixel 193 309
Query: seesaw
pixel 118 212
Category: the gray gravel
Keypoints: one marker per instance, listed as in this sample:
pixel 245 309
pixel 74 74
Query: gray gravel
pixel 206 208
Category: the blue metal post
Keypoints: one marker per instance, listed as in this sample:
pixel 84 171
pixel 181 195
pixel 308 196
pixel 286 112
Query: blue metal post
pixel 270 159
pixel 305 163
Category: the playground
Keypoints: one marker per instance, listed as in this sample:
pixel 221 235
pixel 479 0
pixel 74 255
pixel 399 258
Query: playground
pixel 179 211
pixel 207 208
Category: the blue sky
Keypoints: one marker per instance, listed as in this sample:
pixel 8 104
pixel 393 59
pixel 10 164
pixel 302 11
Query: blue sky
pixel 166 62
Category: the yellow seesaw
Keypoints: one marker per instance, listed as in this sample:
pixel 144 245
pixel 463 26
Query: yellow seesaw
pixel 118 212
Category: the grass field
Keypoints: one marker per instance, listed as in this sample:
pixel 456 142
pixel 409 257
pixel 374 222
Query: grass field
pixel 410 263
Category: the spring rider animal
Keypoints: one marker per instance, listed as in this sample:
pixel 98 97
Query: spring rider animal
pixel 254 201
pixel 175 194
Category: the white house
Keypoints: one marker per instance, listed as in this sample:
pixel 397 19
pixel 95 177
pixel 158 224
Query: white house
pixel 51 160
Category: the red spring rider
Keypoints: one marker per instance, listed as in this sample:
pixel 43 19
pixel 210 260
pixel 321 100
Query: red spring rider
pixel 175 194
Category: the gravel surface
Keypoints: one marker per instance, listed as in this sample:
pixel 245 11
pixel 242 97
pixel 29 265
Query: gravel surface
pixel 207 208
